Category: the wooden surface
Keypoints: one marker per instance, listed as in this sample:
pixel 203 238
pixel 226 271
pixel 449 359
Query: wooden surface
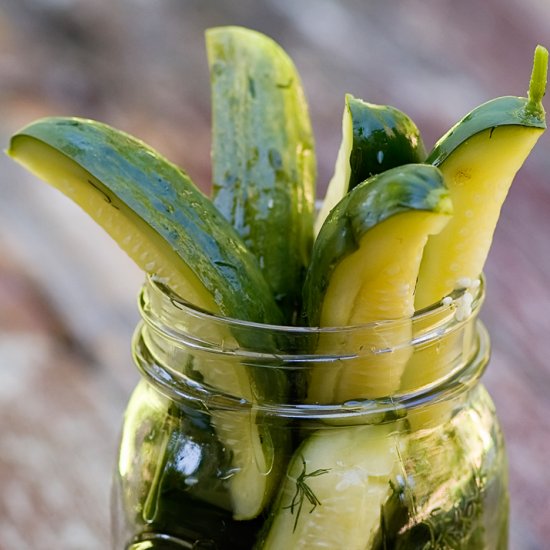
pixel 67 294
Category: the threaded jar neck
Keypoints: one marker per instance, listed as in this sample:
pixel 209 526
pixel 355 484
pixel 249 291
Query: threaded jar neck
pixel 191 355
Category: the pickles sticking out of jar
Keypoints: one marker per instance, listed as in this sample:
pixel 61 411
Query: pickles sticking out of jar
pixel 394 236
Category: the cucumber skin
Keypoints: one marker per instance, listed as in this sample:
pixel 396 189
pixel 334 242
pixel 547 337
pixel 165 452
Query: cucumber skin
pixel 502 111
pixel 375 138
pixel 383 138
pixel 263 159
pixel 401 189
pixel 163 196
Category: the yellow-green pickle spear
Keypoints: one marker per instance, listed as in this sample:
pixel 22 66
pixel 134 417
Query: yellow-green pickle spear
pixel 152 209
pixel 364 268
pixel 479 158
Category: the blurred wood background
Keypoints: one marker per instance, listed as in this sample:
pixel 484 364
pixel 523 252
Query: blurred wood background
pixel 67 294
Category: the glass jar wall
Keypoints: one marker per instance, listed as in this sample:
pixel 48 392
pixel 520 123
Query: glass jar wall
pixel 243 436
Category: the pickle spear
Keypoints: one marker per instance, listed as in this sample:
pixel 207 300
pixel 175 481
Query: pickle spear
pixel 152 210
pixel 170 229
pixel 479 158
pixel 334 490
pixel 375 138
pixel 263 160
pixel 364 267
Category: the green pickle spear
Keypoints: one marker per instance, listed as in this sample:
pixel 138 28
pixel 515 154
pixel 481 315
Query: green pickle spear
pixel 479 158
pixel 158 216
pixel 153 211
pixel 263 160
pixel 375 138
pixel 364 268
pixel 334 490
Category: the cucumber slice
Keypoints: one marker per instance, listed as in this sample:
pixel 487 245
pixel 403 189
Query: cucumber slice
pixel 375 138
pixel 334 490
pixel 263 159
pixel 156 214
pixel 363 269
pixel 172 472
pixel 153 211
pixel 254 445
pixel 479 158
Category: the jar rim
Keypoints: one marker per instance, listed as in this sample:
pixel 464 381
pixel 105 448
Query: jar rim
pixel 446 308
pixel 170 321
pixel 176 385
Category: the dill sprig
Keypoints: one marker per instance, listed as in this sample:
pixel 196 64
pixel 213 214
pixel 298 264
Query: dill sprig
pixel 458 526
pixel 303 492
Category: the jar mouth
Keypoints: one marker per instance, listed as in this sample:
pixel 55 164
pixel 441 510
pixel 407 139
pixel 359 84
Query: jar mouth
pixel 173 329
pixel 463 303
pixel 178 387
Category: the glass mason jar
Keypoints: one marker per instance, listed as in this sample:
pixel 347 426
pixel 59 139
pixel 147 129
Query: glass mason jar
pixel 241 435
